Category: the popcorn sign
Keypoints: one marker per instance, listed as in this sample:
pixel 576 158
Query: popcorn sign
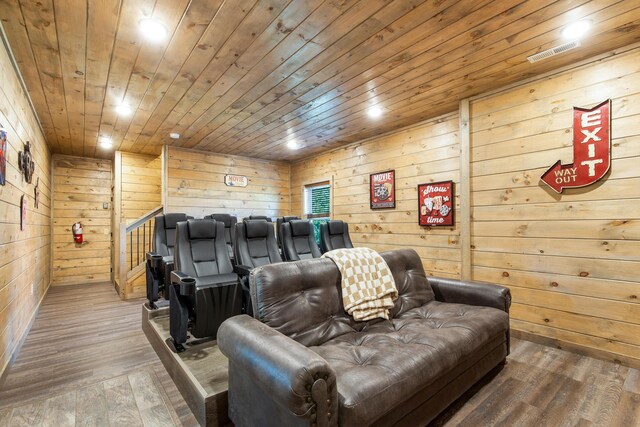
pixel 435 203
pixel 382 190
pixel 591 150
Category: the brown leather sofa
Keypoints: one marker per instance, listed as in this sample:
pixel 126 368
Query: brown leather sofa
pixel 303 361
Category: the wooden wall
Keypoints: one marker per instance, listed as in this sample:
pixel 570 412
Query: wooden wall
pixel 25 256
pixel 572 261
pixel 81 187
pixel 137 191
pixel 141 185
pixel 195 184
pixel 425 153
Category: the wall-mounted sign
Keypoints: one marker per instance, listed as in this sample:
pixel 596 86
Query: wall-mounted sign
pixel 3 155
pixel 36 194
pixel 25 162
pixel 435 203
pixel 382 190
pixel 23 212
pixel 236 180
pixel 591 150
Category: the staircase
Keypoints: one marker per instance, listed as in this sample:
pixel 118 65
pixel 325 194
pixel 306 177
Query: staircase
pixel 134 241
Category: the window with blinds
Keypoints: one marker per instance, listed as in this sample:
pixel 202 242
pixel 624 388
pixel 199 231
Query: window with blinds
pixel 317 205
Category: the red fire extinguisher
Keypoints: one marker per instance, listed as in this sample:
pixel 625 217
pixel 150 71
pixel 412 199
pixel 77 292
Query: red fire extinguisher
pixel 77 232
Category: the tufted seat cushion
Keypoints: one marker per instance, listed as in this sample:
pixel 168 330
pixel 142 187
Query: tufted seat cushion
pixel 379 366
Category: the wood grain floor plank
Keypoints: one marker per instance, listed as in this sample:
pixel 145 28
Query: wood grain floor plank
pixel 628 411
pixel 60 411
pixel 632 382
pixel 5 416
pixel 91 406
pixel 156 416
pixel 28 415
pixel 121 404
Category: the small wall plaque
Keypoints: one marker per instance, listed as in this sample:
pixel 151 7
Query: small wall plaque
pixel 236 180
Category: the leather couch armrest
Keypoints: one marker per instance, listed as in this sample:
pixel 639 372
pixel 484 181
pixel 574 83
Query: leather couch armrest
pixel 298 380
pixel 186 283
pixel 471 293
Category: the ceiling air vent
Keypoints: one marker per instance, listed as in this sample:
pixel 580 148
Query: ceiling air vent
pixel 554 51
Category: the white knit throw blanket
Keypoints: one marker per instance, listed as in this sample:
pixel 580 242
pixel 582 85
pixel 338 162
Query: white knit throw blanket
pixel 368 287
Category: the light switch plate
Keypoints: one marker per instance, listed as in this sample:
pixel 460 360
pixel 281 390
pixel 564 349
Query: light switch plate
pixel 105 205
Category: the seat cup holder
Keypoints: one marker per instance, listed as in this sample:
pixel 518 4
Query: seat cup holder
pixel 156 261
pixel 187 286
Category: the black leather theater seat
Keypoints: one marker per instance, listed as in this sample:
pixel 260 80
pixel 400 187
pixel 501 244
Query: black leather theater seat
pixel 160 260
pixel 255 246
pixel 229 222
pixel 298 241
pixel 204 289
pixel 262 217
pixel 334 234
pixel 282 220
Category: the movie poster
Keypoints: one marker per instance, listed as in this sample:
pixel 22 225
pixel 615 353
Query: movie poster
pixel 3 155
pixel 435 204
pixel 382 190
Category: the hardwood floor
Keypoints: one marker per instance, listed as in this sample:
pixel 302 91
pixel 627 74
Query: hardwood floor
pixel 544 386
pixel 87 362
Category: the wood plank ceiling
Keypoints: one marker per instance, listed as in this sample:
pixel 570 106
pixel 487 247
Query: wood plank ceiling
pixel 247 76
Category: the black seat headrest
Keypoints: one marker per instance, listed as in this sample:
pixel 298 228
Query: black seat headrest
pixel 256 228
pixel 224 218
pixel 336 227
pixel 300 227
pixel 202 228
pixel 171 219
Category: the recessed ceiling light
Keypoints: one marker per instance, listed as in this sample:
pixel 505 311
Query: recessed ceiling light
pixel 374 112
pixel 105 142
pixel 577 29
pixel 153 30
pixel 123 110
pixel 174 135
pixel 293 145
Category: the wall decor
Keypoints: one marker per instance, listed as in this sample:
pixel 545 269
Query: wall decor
pixel 3 155
pixel 36 194
pixel 382 190
pixel 591 150
pixel 435 203
pixel 25 162
pixel 23 212
pixel 236 180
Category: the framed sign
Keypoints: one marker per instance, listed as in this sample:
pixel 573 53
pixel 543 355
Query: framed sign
pixel 236 180
pixel 382 190
pixel 435 203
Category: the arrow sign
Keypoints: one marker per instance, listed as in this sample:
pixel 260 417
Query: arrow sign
pixel 591 150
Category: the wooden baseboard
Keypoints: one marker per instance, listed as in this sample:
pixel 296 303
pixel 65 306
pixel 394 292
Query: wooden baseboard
pixel 5 369
pixel 577 348
pixel 81 282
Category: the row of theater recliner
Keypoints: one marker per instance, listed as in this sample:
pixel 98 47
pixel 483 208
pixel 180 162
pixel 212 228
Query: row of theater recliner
pixel 202 266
